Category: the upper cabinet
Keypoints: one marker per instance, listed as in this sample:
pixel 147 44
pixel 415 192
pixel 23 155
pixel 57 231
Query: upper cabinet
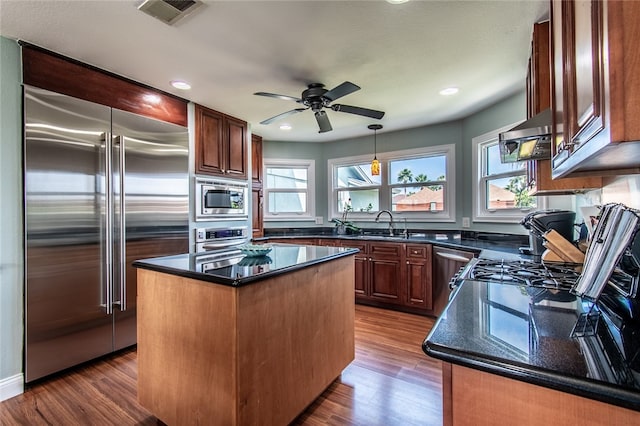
pixel 539 99
pixel 220 143
pixel 256 160
pixel 595 87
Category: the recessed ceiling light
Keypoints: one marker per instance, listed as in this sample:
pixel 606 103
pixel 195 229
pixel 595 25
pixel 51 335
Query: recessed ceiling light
pixel 449 91
pixel 180 84
pixel 397 1
pixel 285 127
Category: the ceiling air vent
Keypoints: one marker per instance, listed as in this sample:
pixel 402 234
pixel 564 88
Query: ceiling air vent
pixel 169 11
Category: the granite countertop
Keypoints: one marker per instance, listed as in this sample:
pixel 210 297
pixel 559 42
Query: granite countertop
pixel 543 337
pixel 231 267
pixel 484 244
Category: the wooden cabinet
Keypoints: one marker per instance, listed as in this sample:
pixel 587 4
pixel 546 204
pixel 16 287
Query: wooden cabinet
pixel 257 225
pixel 386 272
pixel 418 285
pixel 596 84
pixel 446 262
pixel 397 275
pixel 257 201
pixel 361 267
pixel 256 160
pixel 474 397
pixel 538 72
pixel 331 242
pixel 220 144
pixel 539 177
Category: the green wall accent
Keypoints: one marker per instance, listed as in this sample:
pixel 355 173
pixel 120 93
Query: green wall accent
pixel 11 245
pixel 502 113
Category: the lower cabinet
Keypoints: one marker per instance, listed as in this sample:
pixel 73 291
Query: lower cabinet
pixel 409 277
pixel 385 266
pixel 418 277
pixel 393 275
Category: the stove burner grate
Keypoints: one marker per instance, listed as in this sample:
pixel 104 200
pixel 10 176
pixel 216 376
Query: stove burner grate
pixel 525 273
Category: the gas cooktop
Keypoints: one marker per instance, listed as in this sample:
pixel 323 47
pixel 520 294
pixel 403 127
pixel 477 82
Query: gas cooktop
pixel 520 272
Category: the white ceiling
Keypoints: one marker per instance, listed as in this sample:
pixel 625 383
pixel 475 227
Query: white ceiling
pixel 400 55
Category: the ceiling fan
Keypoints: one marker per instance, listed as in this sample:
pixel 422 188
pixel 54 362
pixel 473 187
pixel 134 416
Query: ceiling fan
pixel 316 97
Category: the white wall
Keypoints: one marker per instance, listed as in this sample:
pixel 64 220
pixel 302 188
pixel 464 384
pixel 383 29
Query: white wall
pixel 11 241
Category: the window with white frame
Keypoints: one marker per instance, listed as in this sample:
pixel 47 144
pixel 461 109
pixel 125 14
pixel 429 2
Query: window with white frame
pixel 501 193
pixel 289 189
pixel 414 184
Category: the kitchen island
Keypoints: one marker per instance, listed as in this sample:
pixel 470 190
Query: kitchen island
pixel 535 356
pixel 241 340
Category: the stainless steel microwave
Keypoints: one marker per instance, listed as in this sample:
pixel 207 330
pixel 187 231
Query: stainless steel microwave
pixel 221 199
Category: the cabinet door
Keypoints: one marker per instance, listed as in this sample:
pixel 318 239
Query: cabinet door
pixel 585 73
pixel 418 276
pixel 236 142
pixel 210 156
pixel 256 160
pixel 256 212
pixel 579 76
pixel 386 272
pixel 361 265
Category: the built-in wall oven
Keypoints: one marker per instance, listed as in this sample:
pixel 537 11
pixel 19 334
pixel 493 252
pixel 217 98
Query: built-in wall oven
pixel 218 199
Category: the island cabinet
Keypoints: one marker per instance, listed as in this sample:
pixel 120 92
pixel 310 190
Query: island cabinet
pixel 595 87
pixel 539 179
pixel 248 354
pixel 220 144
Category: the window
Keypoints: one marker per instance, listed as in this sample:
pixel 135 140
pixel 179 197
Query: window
pixel 289 189
pixel 418 184
pixel 501 193
pixel 413 184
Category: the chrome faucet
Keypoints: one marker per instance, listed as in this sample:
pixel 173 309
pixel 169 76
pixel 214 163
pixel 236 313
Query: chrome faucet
pixel 390 220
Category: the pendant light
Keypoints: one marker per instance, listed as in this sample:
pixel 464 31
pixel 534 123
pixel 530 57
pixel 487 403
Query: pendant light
pixel 375 164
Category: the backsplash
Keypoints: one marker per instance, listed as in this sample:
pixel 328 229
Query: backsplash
pixel 620 189
pixel 623 189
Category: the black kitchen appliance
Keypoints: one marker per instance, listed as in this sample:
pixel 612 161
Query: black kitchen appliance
pixel 541 221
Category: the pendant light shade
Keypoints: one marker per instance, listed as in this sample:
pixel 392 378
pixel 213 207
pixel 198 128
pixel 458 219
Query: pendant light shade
pixel 375 164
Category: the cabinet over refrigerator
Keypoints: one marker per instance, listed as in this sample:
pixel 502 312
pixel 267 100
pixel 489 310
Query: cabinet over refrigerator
pixel 103 187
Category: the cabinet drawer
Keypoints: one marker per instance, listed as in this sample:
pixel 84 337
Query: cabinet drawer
pixel 417 251
pixel 382 249
pixel 362 246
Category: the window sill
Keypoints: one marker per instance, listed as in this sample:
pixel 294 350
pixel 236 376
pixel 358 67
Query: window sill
pixel 290 219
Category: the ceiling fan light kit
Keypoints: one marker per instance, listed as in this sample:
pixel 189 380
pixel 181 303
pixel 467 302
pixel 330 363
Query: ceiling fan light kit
pixel 316 98
pixel 375 164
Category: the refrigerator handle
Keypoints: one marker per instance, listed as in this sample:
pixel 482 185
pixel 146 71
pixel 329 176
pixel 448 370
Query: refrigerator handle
pixel 108 191
pixel 122 228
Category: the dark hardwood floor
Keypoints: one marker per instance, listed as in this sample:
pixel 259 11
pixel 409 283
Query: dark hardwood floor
pixel 391 382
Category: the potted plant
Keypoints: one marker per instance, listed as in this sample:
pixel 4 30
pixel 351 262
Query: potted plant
pixel 343 226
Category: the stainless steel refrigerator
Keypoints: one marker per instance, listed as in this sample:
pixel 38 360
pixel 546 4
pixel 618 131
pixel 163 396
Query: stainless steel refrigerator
pixel 103 187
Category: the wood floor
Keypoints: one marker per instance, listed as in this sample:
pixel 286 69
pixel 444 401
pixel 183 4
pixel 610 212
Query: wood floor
pixel 391 382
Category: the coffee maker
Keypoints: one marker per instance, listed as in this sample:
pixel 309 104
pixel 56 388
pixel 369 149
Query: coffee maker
pixel 541 221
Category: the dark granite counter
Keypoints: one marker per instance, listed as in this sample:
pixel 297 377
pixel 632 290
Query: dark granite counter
pixel 234 269
pixel 544 337
pixel 485 244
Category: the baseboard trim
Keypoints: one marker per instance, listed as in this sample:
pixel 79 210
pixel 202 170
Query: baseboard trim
pixel 11 386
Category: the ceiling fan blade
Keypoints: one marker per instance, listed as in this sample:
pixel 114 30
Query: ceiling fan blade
pixel 342 90
pixel 275 95
pixel 358 110
pixel 284 114
pixel 323 122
